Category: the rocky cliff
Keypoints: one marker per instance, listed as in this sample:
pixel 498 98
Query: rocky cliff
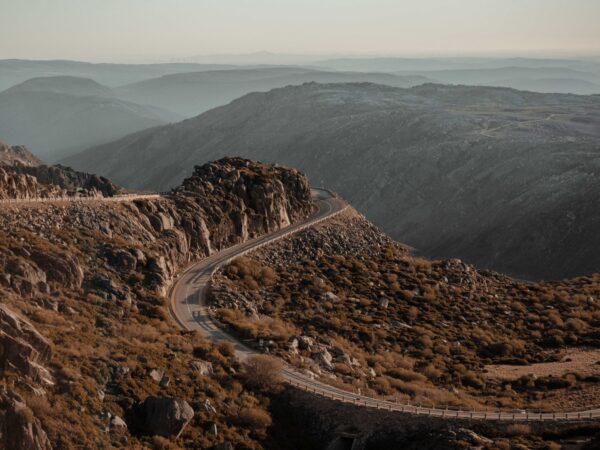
pixel 16 185
pixel 85 337
pixel 20 181
pixel 72 181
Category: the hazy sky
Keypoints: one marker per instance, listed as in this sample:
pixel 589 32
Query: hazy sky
pixel 162 29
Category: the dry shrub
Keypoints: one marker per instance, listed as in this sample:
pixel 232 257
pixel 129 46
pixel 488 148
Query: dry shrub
pixel 255 418
pixel 406 375
pixel 262 372
pixel 39 405
pixel 226 348
pixel 161 443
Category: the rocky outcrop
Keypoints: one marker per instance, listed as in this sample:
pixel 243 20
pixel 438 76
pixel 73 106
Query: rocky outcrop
pixel 71 181
pixel 19 428
pixel 254 197
pixel 22 348
pixel 162 416
pixel 17 155
pixel 15 185
pixel 22 176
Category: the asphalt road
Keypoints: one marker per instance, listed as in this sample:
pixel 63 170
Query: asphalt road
pixel 188 308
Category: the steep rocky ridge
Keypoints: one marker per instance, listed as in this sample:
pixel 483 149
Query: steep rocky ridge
pixel 15 185
pixel 70 180
pixel 88 278
pixel 501 178
pixel 21 181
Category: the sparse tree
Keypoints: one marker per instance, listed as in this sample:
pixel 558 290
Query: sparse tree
pixel 263 373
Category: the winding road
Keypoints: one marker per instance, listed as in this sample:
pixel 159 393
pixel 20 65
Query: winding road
pixel 188 308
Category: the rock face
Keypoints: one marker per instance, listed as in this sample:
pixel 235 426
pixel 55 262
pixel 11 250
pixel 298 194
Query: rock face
pixel 164 416
pixel 15 185
pixel 17 155
pixel 70 180
pixel 19 428
pixel 28 181
pixel 252 194
pixel 22 348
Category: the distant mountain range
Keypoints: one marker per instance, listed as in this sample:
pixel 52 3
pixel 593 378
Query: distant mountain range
pixel 59 116
pixel 15 71
pixel 572 76
pixel 190 94
pixel 505 179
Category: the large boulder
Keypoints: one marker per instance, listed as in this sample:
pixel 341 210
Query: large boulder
pixel 163 416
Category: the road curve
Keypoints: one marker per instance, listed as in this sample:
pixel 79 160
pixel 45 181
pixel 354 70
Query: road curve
pixel 188 308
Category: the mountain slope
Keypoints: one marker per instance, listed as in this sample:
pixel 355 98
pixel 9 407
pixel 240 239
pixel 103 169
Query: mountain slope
pixel 58 116
pixel 192 93
pixel 505 179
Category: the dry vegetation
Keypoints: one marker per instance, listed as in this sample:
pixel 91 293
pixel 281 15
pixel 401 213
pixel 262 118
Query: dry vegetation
pixel 405 327
pixel 104 351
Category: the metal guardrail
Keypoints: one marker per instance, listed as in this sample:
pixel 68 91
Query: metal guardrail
pixel 115 198
pixel 511 416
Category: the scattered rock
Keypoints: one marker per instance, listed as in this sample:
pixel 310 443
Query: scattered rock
pixel 156 374
pixel 164 416
pixel 116 422
pixel 202 367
